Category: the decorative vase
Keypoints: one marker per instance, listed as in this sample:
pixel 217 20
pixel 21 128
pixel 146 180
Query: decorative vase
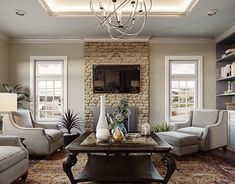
pixel 102 134
pixel 102 122
pixel 118 135
pixel 121 127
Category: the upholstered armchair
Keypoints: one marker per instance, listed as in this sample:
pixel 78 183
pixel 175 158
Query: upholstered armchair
pixel 209 125
pixel 40 138
pixel 14 160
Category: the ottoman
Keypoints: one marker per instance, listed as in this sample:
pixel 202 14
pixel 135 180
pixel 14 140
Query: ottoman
pixel 183 143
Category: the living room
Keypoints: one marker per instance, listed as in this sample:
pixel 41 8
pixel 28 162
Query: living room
pixel 39 46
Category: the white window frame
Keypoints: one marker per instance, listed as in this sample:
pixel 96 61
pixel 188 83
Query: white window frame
pixel 199 87
pixel 33 73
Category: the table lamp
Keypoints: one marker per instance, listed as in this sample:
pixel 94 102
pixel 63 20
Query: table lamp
pixel 8 103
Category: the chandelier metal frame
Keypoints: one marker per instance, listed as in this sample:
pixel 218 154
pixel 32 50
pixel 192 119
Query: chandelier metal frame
pixel 121 18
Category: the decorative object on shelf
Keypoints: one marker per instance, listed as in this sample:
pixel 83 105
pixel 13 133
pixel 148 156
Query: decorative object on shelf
pixel 145 129
pixel 122 19
pixel 230 87
pixel 23 98
pixel 102 134
pixel 102 125
pixel 118 135
pixel 230 106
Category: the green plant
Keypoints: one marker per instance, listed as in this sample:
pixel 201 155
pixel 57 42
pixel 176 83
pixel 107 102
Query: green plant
pixel 122 111
pixel 70 120
pixel 161 127
pixel 23 97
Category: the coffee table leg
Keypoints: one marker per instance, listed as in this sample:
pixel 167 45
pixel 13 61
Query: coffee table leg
pixel 68 163
pixel 169 162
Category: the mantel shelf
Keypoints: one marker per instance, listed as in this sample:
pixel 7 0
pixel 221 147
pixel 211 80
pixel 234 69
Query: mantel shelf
pixel 228 94
pixel 229 57
pixel 226 79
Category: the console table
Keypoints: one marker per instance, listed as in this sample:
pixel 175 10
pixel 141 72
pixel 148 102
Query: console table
pixel 115 162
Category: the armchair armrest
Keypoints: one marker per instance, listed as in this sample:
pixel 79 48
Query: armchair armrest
pixel 187 123
pixel 10 141
pixel 46 125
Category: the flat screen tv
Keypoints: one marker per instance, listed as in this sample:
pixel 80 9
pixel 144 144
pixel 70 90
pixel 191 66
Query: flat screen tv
pixel 116 78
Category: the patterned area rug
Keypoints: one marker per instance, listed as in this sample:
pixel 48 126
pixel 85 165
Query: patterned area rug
pixel 192 169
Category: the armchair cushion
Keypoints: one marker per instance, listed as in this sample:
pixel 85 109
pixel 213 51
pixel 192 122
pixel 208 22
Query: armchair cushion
pixel 203 118
pixel 54 134
pixel 198 131
pixel 10 155
pixel 22 118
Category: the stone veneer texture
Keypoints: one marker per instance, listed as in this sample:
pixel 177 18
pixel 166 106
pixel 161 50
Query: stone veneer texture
pixel 117 53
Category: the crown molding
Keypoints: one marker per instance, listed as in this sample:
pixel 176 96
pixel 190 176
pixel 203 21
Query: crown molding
pixel 225 34
pixel 108 39
pixel 4 37
pixel 182 40
pixel 47 40
pixel 152 40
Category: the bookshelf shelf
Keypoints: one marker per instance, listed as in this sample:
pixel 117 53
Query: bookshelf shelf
pixel 226 79
pixel 226 94
pixel 228 58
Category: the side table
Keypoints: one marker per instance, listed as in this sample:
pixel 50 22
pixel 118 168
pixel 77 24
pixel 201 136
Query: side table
pixel 22 140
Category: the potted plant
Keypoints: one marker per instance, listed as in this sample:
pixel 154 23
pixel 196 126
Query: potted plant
pixel 71 126
pixel 120 116
pixel 161 127
pixel 23 97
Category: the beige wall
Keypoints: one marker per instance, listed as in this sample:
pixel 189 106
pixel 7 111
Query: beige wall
pixel 20 67
pixel 157 74
pixel 20 62
pixel 4 62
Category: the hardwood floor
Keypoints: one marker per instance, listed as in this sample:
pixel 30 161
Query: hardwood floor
pixel 227 155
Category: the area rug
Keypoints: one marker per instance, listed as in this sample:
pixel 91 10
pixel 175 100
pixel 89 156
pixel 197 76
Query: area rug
pixel 192 169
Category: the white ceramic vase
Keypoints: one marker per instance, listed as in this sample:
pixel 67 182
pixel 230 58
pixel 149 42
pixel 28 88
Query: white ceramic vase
pixel 102 122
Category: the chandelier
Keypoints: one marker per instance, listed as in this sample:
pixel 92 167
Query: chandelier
pixel 121 18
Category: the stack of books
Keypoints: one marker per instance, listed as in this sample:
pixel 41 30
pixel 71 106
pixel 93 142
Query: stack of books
pixel 228 70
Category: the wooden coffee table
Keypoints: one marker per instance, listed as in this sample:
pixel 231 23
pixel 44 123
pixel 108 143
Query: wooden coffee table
pixel 128 161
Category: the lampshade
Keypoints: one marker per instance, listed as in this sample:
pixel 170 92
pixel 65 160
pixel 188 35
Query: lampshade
pixel 135 83
pixel 8 102
pixel 99 83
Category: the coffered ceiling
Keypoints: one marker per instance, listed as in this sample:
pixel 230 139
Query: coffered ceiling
pixel 37 23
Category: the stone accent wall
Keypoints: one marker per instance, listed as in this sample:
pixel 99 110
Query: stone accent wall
pixel 117 53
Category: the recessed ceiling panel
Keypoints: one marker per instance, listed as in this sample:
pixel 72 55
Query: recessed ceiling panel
pixel 81 7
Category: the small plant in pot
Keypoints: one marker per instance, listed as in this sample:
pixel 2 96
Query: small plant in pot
pixel 71 126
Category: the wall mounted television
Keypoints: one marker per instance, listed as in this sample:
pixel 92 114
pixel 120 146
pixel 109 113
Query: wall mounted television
pixel 116 78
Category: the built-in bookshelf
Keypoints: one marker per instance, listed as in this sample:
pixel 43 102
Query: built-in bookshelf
pixel 225 72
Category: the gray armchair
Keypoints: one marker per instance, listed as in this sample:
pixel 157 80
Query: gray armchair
pixel 209 125
pixel 40 138
pixel 14 160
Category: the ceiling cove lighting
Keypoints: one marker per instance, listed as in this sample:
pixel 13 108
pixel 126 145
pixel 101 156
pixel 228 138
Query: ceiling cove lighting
pixel 122 19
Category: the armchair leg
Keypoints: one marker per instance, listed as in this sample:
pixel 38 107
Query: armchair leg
pixel 24 176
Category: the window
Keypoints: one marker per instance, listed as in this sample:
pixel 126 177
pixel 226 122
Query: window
pixel 49 86
pixel 183 86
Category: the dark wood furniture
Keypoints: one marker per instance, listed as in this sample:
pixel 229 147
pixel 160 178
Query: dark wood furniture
pixel 115 162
